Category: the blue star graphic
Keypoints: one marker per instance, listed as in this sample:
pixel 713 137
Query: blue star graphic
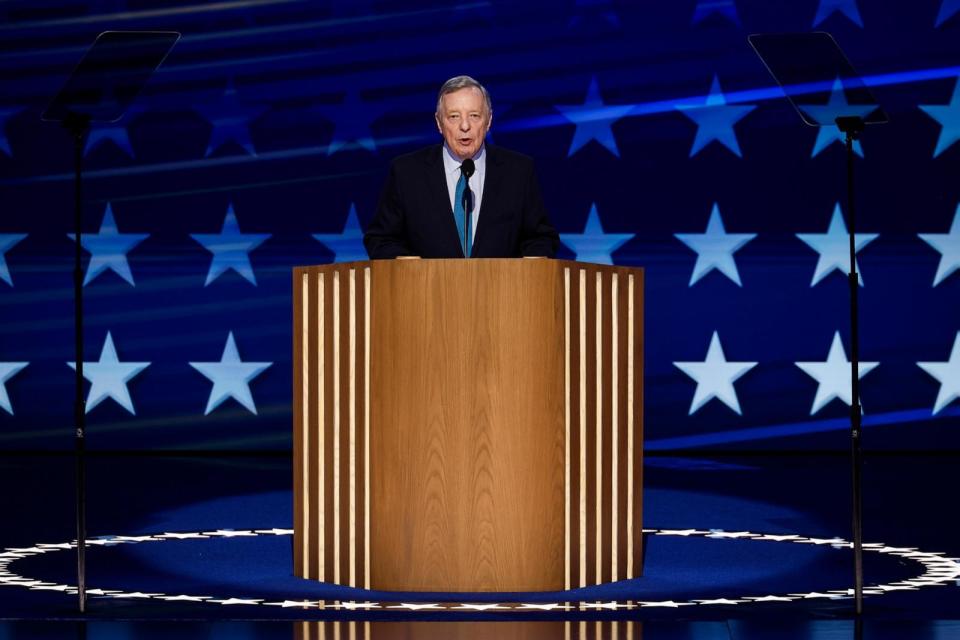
pixel 108 377
pixel 230 249
pixel 352 119
pixel 6 114
pixel 587 11
pixel 231 121
pixel 715 248
pixel 833 375
pixel 707 8
pixel 947 374
pixel 108 249
pixel 347 246
pixel 715 377
pixel 948 9
pixel 593 245
pixel 948 244
pixel 846 7
pixel 594 120
pixel 7 371
pixel 715 120
pixel 834 247
pixel 827 114
pixel 7 242
pixel 948 115
pixel 231 377
pixel 115 132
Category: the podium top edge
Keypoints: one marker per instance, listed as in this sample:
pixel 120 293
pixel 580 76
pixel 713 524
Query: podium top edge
pixel 410 263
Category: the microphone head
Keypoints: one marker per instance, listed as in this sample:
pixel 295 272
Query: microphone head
pixel 467 168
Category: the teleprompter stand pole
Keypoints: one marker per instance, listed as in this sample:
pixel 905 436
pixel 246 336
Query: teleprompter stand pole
pixel 78 126
pixel 852 127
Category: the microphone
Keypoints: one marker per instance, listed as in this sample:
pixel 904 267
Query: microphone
pixel 466 170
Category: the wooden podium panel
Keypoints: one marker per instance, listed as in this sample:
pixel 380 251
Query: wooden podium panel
pixel 467 425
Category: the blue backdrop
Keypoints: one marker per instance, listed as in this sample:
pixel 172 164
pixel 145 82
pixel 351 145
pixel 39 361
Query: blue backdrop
pixel 660 139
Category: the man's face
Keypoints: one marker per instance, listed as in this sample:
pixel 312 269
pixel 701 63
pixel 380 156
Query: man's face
pixel 463 121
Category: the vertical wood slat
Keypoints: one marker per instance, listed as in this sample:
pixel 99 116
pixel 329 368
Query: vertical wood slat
pixel 331 462
pixel 603 308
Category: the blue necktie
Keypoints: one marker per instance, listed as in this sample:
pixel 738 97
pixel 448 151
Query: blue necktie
pixel 458 212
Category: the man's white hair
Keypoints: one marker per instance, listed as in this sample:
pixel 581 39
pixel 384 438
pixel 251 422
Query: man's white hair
pixel 462 82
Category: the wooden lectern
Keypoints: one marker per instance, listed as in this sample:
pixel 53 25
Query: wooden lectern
pixel 468 425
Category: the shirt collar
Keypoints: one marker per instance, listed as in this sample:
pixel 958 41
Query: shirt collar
pixel 451 163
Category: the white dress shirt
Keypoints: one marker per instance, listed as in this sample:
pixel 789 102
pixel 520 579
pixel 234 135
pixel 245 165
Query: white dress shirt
pixel 451 168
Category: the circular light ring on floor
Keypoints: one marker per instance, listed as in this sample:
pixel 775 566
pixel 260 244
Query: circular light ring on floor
pixel 938 570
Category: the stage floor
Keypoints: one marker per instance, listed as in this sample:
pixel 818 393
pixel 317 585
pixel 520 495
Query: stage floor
pixel 737 547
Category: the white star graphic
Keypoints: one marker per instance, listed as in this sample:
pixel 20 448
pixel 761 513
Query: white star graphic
pixel 7 371
pixel 108 249
pixel 231 377
pixel 108 377
pixel 715 377
pixel 948 244
pixel 720 601
pixel 715 248
pixel 7 242
pixel 833 375
pixel 594 120
pixel 947 374
pixel 231 601
pixel 715 120
pixel 834 247
pixel 593 245
pixel 230 249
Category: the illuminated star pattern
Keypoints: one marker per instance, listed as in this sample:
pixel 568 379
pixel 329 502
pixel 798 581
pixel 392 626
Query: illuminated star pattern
pixel 833 375
pixel 594 120
pixel 230 249
pixel 834 247
pixel 231 377
pixel 948 9
pixel 947 374
pixel 715 120
pixel 724 8
pixel 231 121
pixel 7 371
pixel 715 376
pixel 948 115
pixel 826 8
pixel 593 245
pixel 352 120
pixel 347 246
pixel 115 132
pixel 108 377
pixel 108 249
pixel 715 248
pixel 7 242
pixel 948 244
pixel 826 115
pixel 6 114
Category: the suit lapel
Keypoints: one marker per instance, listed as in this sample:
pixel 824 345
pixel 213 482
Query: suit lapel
pixel 491 193
pixel 441 211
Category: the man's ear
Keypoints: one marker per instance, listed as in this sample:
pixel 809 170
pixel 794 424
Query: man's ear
pixel 436 117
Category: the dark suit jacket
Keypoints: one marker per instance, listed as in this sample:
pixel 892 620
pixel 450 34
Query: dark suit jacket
pixel 414 217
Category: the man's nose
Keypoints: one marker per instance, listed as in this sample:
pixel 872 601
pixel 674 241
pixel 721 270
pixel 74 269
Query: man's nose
pixel 465 124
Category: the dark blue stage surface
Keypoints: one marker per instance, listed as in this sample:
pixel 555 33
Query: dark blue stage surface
pixel 757 539
pixel 661 141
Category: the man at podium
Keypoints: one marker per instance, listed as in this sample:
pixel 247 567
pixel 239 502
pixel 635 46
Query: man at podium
pixel 462 198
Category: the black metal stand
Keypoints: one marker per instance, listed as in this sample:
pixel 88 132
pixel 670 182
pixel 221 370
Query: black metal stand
pixel 78 126
pixel 852 127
